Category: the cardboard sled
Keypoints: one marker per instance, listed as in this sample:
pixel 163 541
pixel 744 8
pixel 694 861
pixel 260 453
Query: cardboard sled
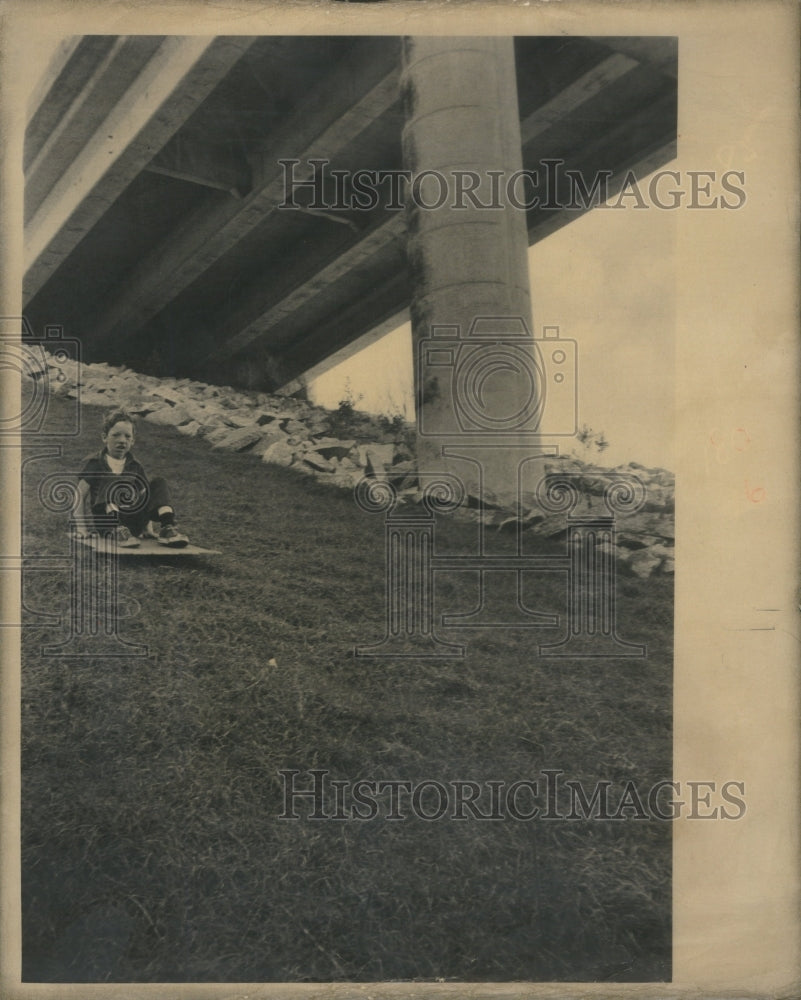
pixel 150 547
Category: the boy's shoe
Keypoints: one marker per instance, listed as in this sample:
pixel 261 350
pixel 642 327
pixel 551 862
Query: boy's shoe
pixel 125 540
pixel 169 535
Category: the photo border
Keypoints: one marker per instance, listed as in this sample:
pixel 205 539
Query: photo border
pixel 736 886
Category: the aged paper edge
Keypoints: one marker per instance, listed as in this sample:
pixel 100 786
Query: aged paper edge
pixel 736 915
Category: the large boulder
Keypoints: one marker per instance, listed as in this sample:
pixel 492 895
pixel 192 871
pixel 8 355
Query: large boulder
pixel 138 405
pixel 643 562
pixel 279 453
pixel 332 447
pixel 192 429
pixel 168 416
pixel 269 436
pixel 264 418
pixel 217 434
pixel 240 418
pixel 296 428
pixel 166 394
pixel 239 440
pixel 317 462
pixel 376 458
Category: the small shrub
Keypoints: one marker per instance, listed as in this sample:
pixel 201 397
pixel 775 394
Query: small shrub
pixel 590 441
pixel 345 421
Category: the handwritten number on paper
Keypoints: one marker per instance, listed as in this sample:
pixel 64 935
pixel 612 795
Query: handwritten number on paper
pixel 756 494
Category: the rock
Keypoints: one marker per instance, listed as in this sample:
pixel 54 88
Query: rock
pixel 402 454
pixel 200 411
pixel 279 453
pixel 268 438
pixel 192 429
pixel 532 520
pixel 139 406
pixel 659 498
pixel 168 416
pixel 668 566
pixel 90 398
pixel 211 424
pixel 217 434
pixel 66 389
pixel 553 526
pixel 377 458
pixel 332 447
pixel 564 464
pixel 404 468
pixel 317 462
pixel 632 542
pixel 166 394
pixel 621 555
pixel 411 495
pixel 643 563
pixel 239 418
pixel 280 414
pixel 239 440
pixel 262 418
pixel 661 550
pixel 317 427
pixel 644 523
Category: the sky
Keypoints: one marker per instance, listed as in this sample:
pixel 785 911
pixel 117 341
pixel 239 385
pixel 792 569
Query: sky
pixel 607 281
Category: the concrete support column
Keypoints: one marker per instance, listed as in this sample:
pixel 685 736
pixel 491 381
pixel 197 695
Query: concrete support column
pixel 476 382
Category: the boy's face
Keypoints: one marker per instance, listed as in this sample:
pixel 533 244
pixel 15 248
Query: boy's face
pixel 119 439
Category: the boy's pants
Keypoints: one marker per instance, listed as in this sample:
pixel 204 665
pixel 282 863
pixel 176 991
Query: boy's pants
pixel 158 495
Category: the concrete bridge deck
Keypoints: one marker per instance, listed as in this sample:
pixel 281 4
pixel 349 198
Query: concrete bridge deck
pixel 153 184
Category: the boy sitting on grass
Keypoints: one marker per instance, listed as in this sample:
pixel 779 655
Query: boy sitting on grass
pixel 151 514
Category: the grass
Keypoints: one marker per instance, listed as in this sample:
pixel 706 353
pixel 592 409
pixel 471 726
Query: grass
pixel 152 848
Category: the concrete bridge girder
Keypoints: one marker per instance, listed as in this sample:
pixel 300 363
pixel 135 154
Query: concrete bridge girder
pixel 163 224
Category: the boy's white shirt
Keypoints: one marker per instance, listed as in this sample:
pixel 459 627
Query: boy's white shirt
pixel 115 464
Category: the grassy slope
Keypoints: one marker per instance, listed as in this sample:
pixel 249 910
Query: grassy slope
pixel 152 849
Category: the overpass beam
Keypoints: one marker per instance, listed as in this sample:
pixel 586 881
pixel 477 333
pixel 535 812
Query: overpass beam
pixel 344 103
pixel 176 79
pixel 468 263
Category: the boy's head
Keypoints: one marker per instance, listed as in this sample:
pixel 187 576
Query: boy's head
pixel 118 433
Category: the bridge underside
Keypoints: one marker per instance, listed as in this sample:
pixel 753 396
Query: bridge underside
pixel 153 186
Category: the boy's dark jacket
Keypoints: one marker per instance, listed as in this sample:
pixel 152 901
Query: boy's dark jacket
pixel 100 477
